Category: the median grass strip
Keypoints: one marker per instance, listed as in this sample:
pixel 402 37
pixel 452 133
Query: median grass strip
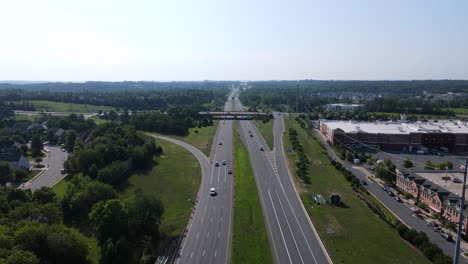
pixel 266 129
pixel 352 233
pixel 175 180
pixel 50 106
pixel 249 239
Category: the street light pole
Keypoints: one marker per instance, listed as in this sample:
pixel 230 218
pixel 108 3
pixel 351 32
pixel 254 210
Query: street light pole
pixel 456 258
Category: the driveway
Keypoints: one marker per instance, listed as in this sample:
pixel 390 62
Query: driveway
pixel 54 164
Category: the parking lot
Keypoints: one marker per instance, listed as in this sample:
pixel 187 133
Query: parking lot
pixel 398 158
pixel 444 180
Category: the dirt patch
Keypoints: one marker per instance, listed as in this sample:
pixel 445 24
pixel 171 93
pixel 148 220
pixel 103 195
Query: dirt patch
pixel 316 162
pixel 331 224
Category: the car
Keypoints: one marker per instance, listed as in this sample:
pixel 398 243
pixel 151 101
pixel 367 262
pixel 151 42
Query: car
pixel 251 135
pixel 216 163
pixel 62 171
pixel 224 162
pixel 261 148
pixel 391 193
pixel 212 192
pixel 63 150
pixel 363 182
pixel 229 171
pixel 447 236
pixel 456 180
pixel 397 198
pixel 250 131
pixel 434 226
pixel 220 143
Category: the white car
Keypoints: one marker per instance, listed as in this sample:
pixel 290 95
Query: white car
pixel 224 162
pixel 212 192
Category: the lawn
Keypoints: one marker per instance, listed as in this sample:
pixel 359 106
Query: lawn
pixel 61 187
pixel 249 239
pixel 266 129
pixel 175 180
pixel 50 106
pixel 458 111
pixel 352 234
pixel 99 120
pixel 201 138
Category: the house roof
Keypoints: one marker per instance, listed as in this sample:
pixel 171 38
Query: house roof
pixel 10 157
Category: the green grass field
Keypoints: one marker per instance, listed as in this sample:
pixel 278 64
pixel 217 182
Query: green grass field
pixel 267 131
pixel 50 106
pixel 458 111
pixel 99 120
pixel 202 139
pixel 175 180
pixel 352 234
pixel 249 239
pixel 61 187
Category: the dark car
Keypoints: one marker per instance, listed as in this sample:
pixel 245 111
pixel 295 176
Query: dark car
pixel 229 171
pixel 434 226
pixel 251 135
pixel 391 193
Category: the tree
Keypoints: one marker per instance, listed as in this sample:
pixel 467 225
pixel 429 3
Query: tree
pixel 38 160
pixel 70 139
pixel 407 163
pixel 109 219
pixel 6 173
pixel 21 257
pixel 36 145
pixel 428 165
pixel 144 216
pixel 44 195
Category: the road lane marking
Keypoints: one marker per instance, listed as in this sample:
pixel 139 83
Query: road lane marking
pixel 191 254
pixel 281 231
pixel 202 219
pixel 211 175
pixel 221 220
pixel 198 234
pixel 219 233
pixel 216 251
pixel 203 253
pixel 290 229
pixel 208 235
pixel 218 174
pixel 211 220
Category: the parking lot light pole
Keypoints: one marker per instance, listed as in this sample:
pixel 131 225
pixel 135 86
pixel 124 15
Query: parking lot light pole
pixel 456 258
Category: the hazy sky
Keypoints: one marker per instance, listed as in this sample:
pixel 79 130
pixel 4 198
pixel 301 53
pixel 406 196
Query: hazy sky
pixel 76 40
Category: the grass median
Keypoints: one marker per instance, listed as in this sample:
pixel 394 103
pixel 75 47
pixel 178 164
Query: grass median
pixel 352 233
pixel 249 240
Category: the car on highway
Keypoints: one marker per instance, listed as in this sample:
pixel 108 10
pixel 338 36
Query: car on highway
pixel 251 135
pixel 220 143
pixel 224 162
pixel 434 226
pixel 229 171
pixel 216 163
pixel 261 148
pixel 212 192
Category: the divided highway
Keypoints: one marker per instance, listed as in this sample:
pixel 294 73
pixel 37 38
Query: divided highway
pixel 291 233
pixel 209 232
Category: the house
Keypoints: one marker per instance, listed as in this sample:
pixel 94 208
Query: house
pixel 36 127
pixel 9 146
pixel 16 160
pixel 433 196
pixel 452 211
pixel 409 183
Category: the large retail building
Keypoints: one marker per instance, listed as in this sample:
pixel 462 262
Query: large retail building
pixel 440 135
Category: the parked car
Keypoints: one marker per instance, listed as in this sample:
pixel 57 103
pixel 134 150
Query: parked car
pixel 397 198
pixel 434 226
pixel 391 193
pixel 363 182
pixel 447 236
pixel 456 180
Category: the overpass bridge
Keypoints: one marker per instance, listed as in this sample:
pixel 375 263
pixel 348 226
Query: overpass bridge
pixel 233 115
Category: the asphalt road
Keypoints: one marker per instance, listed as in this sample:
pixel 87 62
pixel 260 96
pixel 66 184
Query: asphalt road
pixel 209 232
pixel 399 209
pixel 292 236
pixel 55 162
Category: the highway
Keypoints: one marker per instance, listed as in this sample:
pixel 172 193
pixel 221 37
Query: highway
pixel 292 236
pixel 209 232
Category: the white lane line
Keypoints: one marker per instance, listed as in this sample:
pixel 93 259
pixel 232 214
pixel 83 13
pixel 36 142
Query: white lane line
pixel 216 251
pixel 198 234
pixel 211 175
pixel 208 235
pixel 218 173
pixel 281 231
pixel 219 233
pixel 191 254
pixel 211 220
pixel 203 253
pixel 290 229
pixel 202 219
pixel 221 219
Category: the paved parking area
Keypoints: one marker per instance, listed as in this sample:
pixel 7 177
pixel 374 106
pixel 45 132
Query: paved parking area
pixel 398 158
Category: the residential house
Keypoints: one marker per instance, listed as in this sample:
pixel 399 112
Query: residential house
pixel 16 160
pixel 452 211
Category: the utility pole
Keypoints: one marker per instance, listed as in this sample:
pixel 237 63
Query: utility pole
pixel 456 258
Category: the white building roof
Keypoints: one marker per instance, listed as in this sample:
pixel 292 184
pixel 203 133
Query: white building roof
pixel 444 126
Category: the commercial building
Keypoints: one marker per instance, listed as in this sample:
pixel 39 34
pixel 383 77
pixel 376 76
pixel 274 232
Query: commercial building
pixel 345 107
pixel 442 135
